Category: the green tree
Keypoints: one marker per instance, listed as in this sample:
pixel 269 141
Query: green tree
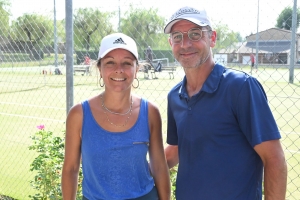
pixel 225 37
pixel 61 30
pixel 145 26
pixel 4 17
pixel 5 4
pixel 33 31
pixel 90 26
pixel 284 20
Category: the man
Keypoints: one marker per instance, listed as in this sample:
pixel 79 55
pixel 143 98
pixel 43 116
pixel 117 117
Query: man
pixel 87 60
pixel 220 128
pixel 149 55
pixel 252 59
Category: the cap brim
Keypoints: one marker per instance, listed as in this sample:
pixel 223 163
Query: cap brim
pixel 111 49
pixel 171 23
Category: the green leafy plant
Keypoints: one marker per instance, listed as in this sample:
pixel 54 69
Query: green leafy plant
pixel 173 176
pixel 48 165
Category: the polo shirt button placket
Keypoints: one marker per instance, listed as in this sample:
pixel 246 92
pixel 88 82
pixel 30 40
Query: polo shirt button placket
pixel 190 110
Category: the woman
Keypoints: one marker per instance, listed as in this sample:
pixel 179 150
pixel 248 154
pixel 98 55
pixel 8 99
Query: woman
pixel 113 132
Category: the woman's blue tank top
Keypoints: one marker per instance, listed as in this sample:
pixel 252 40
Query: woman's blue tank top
pixel 114 165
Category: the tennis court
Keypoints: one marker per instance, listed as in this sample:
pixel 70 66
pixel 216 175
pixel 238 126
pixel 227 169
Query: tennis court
pixel 29 98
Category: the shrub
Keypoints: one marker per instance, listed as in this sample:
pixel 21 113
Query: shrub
pixel 48 165
pixel 173 175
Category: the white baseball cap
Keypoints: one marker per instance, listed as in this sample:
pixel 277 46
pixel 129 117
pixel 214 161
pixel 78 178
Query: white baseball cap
pixel 117 41
pixel 193 15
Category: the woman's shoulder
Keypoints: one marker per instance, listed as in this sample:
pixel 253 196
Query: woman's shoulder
pixel 77 109
pixel 151 104
pixel 75 112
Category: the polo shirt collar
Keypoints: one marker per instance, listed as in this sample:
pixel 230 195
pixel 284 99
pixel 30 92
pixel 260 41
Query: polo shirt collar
pixel 210 85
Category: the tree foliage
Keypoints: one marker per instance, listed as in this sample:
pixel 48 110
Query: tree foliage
pixel 61 30
pixel 4 17
pixel 90 26
pixel 285 18
pixel 4 3
pixel 225 37
pixel 4 22
pixel 145 26
pixel 33 31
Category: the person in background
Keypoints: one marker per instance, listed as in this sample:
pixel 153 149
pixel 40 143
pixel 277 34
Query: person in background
pixel 220 128
pixel 113 132
pixel 158 67
pixel 149 55
pixel 252 59
pixel 87 60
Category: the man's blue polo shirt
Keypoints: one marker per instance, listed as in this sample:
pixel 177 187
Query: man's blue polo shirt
pixel 215 131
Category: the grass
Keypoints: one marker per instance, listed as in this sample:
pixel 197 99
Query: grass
pixel 29 98
pixel 47 60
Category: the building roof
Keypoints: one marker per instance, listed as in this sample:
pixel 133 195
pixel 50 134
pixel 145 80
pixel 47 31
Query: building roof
pixel 271 46
pixel 272 34
pixel 232 48
pixel 247 50
pixel 274 40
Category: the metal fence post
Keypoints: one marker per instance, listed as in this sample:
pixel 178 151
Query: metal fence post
pixel 69 55
pixel 293 43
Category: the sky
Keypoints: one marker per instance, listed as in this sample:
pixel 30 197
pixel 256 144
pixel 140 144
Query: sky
pixel 243 16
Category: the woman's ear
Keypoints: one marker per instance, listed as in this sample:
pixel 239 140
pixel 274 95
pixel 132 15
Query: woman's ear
pixel 99 68
pixel 138 65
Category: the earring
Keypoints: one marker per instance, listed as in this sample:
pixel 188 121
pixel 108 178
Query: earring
pixel 101 85
pixel 138 83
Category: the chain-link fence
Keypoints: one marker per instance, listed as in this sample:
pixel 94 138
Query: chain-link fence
pixel 37 84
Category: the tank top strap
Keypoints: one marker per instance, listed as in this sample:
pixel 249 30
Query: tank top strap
pixel 144 106
pixel 87 113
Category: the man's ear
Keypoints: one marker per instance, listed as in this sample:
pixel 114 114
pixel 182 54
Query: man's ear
pixel 213 38
pixel 170 42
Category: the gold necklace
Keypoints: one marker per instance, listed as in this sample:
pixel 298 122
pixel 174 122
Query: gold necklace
pixel 129 111
pixel 112 112
pixel 117 125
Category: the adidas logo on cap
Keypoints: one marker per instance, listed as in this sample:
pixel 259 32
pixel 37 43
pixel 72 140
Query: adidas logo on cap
pixel 119 41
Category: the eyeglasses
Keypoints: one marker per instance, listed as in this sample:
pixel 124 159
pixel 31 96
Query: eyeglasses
pixel 194 34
